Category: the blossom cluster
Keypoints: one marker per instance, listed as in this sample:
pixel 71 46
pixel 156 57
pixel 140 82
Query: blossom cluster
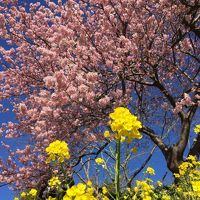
pixel 188 178
pixel 197 129
pixel 189 167
pixel 31 194
pixel 57 150
pixel 123 123
pixel 99 161
pixel 188 186
pixel 143 189
pixel 186 101
pixel 54 182
pixel 150 171
pixel 80 192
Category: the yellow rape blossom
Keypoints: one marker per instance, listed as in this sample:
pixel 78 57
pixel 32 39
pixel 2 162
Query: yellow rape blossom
pixel 106 134
pixel 54 182
pixel 150 171
pixel 23 194
pixel 196 187
pixel 51 198
pixel 197 129
pixel 191 158
pixel 184 167
pixel 159 183
pixel 176 175
pixel 134 150
pixel 143 190
pixel 105 198
pixel 123 123
pixel 166 197
pixel 104 190
pixel 89 183
pixel 16 198
pixel 128 189
pixel 122 139
pixel 33 192
pixel 189 176
pixel 79 192
pixel 99 161
pixel 57 150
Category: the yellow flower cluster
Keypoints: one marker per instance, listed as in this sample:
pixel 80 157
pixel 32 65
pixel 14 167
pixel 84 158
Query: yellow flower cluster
pixel 166 197
pixel 104 192
pixel 99 161
pixel 188 167
pixel 197 129
pixel 196 187
pixel 51 198
pixel 106 134
pixel 150 171
pixel 184 167
pixel 159 183
pixel 123 123
pixel 54 182
pixel 80 192
pixel 31 194
pixel 143 190
pixel 57 150
pixel 189 175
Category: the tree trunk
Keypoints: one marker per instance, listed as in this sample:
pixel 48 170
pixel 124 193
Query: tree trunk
pixel 173 159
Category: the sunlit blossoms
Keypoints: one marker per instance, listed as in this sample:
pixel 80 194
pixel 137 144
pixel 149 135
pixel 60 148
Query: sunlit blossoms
pixel 196 187
pixel 31 194
pixel 106 134
pixel 143 190
pixel 54 182
pixel 80 192
pixel 197 129
pixel 150 171
pixel 57 150
pixel 188 183
pixel 99 161
pixel 123 123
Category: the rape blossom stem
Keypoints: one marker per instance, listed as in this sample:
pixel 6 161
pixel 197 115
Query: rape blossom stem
pixel 117 170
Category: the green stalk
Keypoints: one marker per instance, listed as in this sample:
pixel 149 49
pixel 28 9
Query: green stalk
pixel 117 170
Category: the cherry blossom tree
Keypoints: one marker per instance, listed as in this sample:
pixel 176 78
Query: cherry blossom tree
pixel 66 65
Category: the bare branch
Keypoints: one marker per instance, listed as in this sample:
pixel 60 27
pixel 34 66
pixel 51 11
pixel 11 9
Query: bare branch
pixel 141 167
pixel 195 149
pixel 91 153
pixel 155 138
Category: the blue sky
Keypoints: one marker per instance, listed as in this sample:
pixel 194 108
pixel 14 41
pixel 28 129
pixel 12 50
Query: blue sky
pixel 5 192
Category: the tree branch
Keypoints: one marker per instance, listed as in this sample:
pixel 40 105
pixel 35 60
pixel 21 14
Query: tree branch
pixel 155 138
pixel 141 167
pixel 185 130
pixel 195 149
pixel 91 153
pixel 169 97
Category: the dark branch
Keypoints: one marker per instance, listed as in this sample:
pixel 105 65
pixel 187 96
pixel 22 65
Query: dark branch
pixel 155 138
pixel 141 167
pixel 195 149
